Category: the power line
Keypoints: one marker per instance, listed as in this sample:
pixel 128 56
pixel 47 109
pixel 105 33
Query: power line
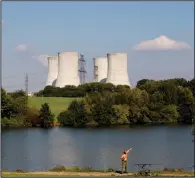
pixel 26 83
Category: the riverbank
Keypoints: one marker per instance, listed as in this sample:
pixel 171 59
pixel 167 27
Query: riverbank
pixel 62 171
pixel 94 174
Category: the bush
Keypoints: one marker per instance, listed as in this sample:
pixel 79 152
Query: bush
pixel 14 122
pixel 32 117
pixel 19 171
pixel 76 115
pixel 121 113
pixel 64 118
pixel 73 169
pixel 46 116
pixel 91 123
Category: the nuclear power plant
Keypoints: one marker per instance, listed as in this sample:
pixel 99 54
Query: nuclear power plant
pixel 100 69
pixel 117 69
pixel 68 69
pixel 52 70
pixel 68 73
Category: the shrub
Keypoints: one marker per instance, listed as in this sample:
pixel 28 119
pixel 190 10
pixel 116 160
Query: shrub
pixel 14 122
pixel 32 117
pixel 121 113
pixel 19 171
pixel 46 116
pixel 77 114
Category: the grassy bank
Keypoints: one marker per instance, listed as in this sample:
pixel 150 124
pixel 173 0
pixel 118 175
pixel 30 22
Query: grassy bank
pixel 57 104
pixel 61 171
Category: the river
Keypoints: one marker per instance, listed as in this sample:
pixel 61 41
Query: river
pixel 37 149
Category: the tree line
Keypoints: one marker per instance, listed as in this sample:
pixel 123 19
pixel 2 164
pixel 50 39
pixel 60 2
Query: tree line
pixel 164 101
pixel 79 91
pixel 16 113
pixel 150 102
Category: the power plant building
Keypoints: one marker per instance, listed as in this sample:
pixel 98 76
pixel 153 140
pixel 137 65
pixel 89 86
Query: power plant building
pixel 52 70
pixel 117 69
pixel 68 69
pixel 100 69
pixel 64 69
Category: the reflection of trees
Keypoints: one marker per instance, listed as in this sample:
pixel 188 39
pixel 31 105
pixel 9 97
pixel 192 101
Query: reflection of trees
pixel 25 149
pixel 94 151
pixel 62 147
pixel 14 150
pixel 43 149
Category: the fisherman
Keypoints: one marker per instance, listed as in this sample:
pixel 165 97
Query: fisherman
pixel 124 158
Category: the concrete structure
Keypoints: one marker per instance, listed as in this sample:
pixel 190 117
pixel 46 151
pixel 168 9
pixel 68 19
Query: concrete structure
pixel 30 94
pixel 100 69
pixel 117 69
pixel 68 69
pixel 52 70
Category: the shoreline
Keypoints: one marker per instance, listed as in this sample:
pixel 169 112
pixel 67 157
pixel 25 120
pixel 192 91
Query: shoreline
pixel 94 174
pixel 100 126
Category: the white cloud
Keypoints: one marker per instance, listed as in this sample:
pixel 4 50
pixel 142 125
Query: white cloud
pixel 161 43
pixel 42 59
pixel 22 47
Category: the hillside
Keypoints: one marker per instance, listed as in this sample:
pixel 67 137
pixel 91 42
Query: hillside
pixel 57 104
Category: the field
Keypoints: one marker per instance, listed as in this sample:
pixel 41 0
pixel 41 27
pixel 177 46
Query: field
pixel 57 104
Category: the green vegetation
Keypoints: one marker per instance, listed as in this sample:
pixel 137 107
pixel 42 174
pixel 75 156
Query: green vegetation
pixel 78 169
pixel 16 113
pixel 57 104
pixel 151 102
pixel 165 172
pixel 103 104
pixel 82 172
pixel 46 116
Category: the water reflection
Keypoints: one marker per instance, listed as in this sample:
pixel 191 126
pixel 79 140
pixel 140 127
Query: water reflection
pixel 42 149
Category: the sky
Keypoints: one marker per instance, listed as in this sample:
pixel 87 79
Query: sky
pixel 157 36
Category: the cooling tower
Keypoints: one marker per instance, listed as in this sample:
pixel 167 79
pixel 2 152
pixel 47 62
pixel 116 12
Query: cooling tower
pixel 100 69
pixel 68 69
pixel 117 69
pixel 52 70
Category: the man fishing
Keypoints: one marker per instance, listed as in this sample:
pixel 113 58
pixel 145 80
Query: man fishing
pixel 124 158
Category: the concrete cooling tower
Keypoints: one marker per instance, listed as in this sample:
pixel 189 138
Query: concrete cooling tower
pixel 52 70
pixel 100 69
pixel 117 69
pixel 68 69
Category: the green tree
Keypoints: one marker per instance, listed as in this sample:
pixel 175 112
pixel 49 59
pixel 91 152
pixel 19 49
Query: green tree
pixel 46 116
pixel 142 82
pixel 169 91
pixel 191 85
pixel 77 114
pixel 64 118
pixel 102 111
pixel 20 105
pixel 7 107
pixel 18 94
pixel 121 113
pixel 186 105
pixel 169 113
pixel 150 86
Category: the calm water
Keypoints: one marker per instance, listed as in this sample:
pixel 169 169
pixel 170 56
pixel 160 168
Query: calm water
pixel 39 149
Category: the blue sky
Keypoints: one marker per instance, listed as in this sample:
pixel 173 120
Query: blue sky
pixel 32 30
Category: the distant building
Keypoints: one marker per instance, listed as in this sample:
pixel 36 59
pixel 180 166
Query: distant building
pixel 117 69
pixel 100 69
pixel 30 94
